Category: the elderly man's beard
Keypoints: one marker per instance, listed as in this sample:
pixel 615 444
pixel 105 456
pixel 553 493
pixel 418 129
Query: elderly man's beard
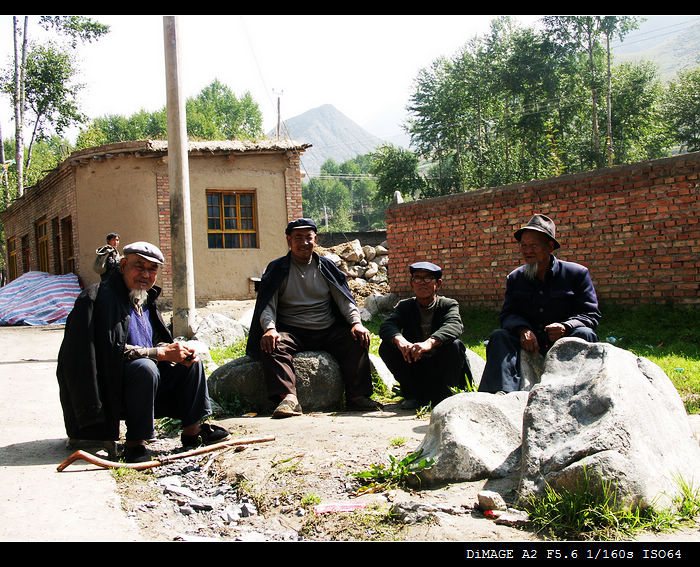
pixel 137 298
pixel 531 270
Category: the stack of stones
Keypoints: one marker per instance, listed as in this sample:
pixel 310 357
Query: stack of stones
pixel 368 263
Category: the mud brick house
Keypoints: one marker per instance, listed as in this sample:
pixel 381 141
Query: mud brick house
pixel 242 196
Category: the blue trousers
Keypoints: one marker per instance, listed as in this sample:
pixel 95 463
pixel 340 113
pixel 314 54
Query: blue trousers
pixel 160 389
pixel 502 370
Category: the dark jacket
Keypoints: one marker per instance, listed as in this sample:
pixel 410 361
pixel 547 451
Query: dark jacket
pixel 91 357
pixel 405 320
pixel 566 296
pixel 272 278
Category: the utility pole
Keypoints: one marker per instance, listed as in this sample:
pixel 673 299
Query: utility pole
pixel 278 113
pixel 182 268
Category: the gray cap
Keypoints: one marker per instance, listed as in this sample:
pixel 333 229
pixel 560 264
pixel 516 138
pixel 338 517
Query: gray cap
pixel 146 250
pixel 428 267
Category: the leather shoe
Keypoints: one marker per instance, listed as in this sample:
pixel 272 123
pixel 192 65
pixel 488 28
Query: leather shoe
pixel 208 434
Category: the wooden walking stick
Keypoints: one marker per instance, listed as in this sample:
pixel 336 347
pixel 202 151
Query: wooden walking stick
pixel 104 463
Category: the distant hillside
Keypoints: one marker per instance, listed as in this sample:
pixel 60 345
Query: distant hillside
pixel 332 134
pixel 671 42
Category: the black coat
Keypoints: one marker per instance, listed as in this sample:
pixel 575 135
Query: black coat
pixel 91 357
pixel 405 319
pixel 272 279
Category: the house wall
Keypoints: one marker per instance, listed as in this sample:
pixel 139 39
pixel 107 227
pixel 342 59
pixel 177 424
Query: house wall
pixel 55 200
pixel 128 193
pixel 636 227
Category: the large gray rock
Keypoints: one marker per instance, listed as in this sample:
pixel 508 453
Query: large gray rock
pixel 319 383
pixel 218 329
pixel 474 436
pixel 602 412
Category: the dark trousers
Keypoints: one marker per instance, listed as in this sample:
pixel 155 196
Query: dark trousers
pixel 154 390
pixel 429 379
pixel 502 370
pixel 337 341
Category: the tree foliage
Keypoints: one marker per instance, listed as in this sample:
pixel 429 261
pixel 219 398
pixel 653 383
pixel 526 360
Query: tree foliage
pixel 214 114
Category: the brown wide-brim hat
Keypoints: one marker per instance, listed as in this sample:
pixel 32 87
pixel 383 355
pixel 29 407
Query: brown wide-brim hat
pixel 539 223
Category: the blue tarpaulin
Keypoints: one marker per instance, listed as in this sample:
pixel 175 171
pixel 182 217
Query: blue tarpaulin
pixel 38 298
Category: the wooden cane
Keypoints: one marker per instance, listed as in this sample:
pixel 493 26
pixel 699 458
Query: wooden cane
pixel 104 463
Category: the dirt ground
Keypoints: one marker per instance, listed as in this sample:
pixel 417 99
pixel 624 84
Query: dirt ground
pixel 309 462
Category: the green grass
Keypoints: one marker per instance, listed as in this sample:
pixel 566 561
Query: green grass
pixel 668 336
pixel 590 511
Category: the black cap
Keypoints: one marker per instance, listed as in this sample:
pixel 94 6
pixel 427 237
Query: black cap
pixel 301 223
pixel 428 267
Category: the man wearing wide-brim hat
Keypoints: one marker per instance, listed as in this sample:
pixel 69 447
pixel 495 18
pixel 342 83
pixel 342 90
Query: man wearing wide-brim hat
pixel 118 361
pixel 545 299
pixel 421 343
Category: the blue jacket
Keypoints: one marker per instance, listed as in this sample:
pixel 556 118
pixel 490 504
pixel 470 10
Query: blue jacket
pixel 566 296
pixel 272 278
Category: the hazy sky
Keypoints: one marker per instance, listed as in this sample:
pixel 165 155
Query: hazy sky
pixel 363 65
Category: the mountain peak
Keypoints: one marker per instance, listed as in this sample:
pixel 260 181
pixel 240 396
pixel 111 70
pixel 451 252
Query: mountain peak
pixel 331 134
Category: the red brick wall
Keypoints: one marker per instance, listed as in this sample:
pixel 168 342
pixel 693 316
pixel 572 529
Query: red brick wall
pixel 636 228
pixel 52 198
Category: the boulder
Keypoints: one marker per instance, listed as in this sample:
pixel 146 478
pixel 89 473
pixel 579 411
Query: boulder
pixel 601 413
pixel 218 329
pixel 319 383
pixel 474 436
pixel 476 366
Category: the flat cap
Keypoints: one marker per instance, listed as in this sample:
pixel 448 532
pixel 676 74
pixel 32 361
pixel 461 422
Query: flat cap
pixel 428 267
pixel 301 223
pixel 146 250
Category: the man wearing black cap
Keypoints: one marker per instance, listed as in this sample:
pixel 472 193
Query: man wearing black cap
pixel 420 341
pixel 118 360
pixel 545 299
pixel 304 303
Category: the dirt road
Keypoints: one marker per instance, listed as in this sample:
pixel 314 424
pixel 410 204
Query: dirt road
pixel 37 503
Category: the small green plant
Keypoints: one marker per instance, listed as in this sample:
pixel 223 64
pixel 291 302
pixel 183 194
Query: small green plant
pixel 424 411
pixel 398 441
pixel 309 500
pixel 399 473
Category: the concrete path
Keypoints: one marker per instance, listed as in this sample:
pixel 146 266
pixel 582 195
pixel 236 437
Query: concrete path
pixel 37 503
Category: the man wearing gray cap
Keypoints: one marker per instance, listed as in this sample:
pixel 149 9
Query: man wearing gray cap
pixel 420 341
pixel 118 361
pixel 545 299
pixel 304 303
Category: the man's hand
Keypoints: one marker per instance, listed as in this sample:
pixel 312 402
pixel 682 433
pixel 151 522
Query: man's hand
pixel 269 340
pixel 361 334
pixel 555 331
pixel 528 341
pixel 413 352
pixel 178 353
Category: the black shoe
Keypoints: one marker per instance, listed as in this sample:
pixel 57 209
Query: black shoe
pixel 136 454
pixel 207 435
pixel 363 404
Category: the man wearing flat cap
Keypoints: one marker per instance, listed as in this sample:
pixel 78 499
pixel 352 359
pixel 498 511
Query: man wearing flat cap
pixel 420 341
pixel 545 299
pixel 304 303
pixel 118 361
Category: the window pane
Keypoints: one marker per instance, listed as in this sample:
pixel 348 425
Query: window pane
pixel 214 224
pixel 215 241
